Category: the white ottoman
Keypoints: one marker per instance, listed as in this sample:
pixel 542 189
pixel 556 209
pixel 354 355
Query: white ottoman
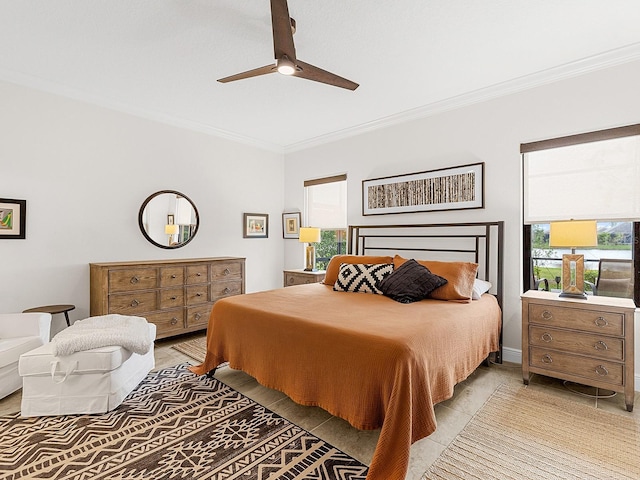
pixel 90 381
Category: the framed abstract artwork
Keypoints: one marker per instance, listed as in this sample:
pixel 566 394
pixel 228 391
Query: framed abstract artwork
pixel 455 188
pixel 256 225
pixel 291 224
pixel 13 218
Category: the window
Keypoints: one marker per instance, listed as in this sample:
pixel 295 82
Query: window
pixel 326 208
pixel 590 176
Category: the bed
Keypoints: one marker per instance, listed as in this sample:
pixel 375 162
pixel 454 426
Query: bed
pixel 364 357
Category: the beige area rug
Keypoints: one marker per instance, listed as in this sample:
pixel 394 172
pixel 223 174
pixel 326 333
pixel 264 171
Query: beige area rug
pixel 524 434
pixel 196 348
pixel 174 425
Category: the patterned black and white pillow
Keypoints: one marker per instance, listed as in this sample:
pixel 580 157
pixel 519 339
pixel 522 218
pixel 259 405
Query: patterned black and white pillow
pixel 361 277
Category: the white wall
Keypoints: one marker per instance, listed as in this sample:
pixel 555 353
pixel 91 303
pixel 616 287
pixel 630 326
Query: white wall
pixel 489 132
pixel 85 170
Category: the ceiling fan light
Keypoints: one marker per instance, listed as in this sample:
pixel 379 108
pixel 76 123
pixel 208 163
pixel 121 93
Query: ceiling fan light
pixel 285 66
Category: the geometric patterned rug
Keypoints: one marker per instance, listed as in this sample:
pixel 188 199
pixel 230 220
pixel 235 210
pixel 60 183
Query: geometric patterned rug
pixel 174 425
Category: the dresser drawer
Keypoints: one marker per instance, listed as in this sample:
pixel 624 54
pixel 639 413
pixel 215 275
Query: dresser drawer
pixel 197 274
pixel 168 323
pixel 133 303
pixel 199 316
pixel 225 289
pixel 132 279
pixel 608 348
pixel 596 321
pixel 589 368
pixel 197 294
pixel 224 271
pixel 171 276
pixel 171 298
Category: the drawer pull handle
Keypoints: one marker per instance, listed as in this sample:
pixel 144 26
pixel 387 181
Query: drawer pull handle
pixel 547 315
pixel 291 280
pixel 601 322
pixel 134 280
pixel 547 358
pixel 174 320
pixel 135 303
pixel 602 370
pixel 601 346
pixel 226 290
pixel 174 276
pixel 197 316
pixel 547 337
pixel 226 271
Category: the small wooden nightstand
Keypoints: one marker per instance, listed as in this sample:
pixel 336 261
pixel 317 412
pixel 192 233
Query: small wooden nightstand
pixel 300 277
pixel 584 341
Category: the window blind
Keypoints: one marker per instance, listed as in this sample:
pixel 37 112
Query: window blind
pixel 326 202
pixel 597 180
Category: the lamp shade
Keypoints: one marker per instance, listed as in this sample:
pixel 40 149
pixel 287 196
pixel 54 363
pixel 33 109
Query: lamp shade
pixel 574 233
pixel 170 229
pixel 309 235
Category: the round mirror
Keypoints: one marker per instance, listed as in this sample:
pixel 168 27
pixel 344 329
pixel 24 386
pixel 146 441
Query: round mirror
pixel 168 219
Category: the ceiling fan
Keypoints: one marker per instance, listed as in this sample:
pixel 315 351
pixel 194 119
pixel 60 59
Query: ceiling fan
pixel 285 53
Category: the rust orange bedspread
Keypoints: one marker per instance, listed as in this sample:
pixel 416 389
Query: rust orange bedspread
pixel 365 358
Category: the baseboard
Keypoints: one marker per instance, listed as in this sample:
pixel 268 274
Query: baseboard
pixel 513 355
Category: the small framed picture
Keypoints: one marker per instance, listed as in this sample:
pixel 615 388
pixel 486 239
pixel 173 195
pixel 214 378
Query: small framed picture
pixel 13 218
pixel 170 219
pixel 256 225
pixel 291 224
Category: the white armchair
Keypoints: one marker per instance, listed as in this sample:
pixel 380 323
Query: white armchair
pixel 19 333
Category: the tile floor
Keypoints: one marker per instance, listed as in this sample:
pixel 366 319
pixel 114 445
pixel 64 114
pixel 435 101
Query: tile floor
pixel 452 415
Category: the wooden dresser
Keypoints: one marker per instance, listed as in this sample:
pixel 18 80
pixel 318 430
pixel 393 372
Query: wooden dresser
pixel 583 341
pixel 176 295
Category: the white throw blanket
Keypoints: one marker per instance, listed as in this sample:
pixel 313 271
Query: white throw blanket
pixel 128 332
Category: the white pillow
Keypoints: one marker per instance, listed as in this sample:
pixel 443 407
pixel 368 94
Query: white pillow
pixel 479 287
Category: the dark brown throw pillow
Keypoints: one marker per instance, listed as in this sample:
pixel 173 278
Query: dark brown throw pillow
pixel 410 282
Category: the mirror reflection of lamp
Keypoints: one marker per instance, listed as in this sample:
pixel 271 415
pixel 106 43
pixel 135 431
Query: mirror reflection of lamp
pixel 171 230
pixel 572 234
pixel 310 235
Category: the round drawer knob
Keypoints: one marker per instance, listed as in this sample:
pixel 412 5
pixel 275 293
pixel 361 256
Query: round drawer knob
pixel 546 337
pixel 601 346
pixel 174 321
pixel 173 298
pixel 291 280
pixel 198 274
pixel 601 322
pixel 602 370
pixel 174 276
pixel 547 315
pixel 198 294
pixel 547 358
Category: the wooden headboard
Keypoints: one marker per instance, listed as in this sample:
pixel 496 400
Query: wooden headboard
pixel 479 242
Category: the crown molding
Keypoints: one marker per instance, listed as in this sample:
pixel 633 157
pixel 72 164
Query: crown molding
pixel 601 61
pixel 572 69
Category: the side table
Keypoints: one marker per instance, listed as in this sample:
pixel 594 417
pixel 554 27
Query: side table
pixel 53 309
pixel 301 277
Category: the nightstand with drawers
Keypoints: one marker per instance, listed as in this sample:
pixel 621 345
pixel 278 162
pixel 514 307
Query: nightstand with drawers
pixel 300 277
pixel 583 341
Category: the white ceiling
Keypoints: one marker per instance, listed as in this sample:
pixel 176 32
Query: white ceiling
pixel 160 58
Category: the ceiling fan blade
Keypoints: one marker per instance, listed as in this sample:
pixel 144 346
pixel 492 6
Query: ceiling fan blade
pixel 282 33
pixel 250 73
pixel 311 72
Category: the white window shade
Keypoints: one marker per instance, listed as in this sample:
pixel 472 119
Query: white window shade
pixel 327 205
pixel 597 180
